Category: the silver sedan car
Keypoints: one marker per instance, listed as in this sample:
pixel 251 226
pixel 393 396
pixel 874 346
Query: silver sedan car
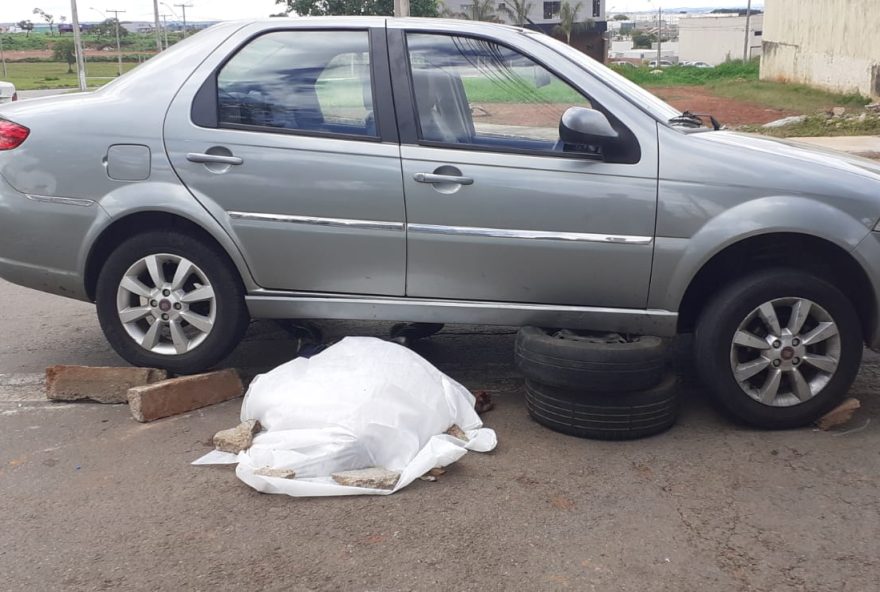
pixel 438 171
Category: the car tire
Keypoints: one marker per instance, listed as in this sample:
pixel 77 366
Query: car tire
pixel 205 308
pixel 636 365
pixel 605 416
pixel 801 373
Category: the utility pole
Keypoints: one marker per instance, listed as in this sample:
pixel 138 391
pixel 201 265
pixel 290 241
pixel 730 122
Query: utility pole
pixel 78 47
pixel 118 46
pixel 183 8
pixel 401 8
pixel 3 58
pixel 165 29
pixel 746 52
pixel 158 30
pixel 659 34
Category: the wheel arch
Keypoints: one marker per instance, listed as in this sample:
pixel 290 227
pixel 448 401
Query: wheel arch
pixel 133 223
pixel 795 250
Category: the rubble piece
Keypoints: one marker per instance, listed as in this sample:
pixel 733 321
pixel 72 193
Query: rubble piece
pixel 839 415
pixel 484 402
pixel 97 383
pixel 457 432
pixel 785 121
pixel 838 111
pixel 239 438
pixel 373 478
pixel 279 473
pixel 433 474
pixel 873 107
pixel 179 395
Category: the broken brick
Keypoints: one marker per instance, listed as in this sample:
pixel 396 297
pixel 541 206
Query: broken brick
pixel 97 383
pixel 279 473
pixel 180 395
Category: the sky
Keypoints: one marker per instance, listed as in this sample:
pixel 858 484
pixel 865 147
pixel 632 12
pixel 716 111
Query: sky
pixel 16 10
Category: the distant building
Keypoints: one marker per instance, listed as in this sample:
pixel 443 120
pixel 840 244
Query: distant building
pixel 831 44
pixel 716 39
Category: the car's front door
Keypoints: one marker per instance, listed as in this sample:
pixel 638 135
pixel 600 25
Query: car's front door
pixel 279 136
pixel 498 208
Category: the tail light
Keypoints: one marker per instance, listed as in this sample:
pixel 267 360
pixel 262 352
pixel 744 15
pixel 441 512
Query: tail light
pixel 15 96
pixel 12 134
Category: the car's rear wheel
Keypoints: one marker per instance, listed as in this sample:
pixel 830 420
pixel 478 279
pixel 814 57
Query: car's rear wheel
pixel 779 348
pixel 168 300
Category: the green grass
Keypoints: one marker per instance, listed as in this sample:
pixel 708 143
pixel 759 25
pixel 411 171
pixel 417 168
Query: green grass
pixel 685 76
pixel 33 76
pixel 519 90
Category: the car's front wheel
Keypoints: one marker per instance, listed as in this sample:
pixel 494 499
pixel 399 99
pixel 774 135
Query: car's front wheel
pixel 168 300
pixel 779 348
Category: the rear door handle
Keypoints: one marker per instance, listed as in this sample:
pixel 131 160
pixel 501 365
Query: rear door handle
pixel 434 178
pixel 213 158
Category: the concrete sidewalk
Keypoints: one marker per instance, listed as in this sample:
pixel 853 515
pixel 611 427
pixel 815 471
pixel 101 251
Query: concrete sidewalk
pixel 862 145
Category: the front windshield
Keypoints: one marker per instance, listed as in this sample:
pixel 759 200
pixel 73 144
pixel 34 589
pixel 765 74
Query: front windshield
pixel 653 105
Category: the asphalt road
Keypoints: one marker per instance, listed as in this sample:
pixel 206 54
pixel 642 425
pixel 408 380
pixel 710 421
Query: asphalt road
pixel 92 500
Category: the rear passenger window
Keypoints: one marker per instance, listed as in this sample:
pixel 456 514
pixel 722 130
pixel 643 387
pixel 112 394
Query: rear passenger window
pixel 305 81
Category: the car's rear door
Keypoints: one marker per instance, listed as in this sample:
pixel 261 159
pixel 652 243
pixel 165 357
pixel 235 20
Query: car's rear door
pixel 497 208
pixel 287 136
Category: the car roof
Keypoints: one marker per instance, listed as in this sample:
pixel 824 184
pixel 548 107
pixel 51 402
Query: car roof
pixel 378 21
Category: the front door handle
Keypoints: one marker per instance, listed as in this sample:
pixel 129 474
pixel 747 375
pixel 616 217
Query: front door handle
pixel 213 158
pixel 434 178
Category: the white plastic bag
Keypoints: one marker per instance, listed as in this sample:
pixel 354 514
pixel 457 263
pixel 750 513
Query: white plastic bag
pixel 361 403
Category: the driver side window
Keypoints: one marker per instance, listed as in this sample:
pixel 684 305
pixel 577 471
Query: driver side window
pixel 479 93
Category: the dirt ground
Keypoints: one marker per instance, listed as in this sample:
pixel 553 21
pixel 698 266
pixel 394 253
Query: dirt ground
pixel 697 99
pixel 693 98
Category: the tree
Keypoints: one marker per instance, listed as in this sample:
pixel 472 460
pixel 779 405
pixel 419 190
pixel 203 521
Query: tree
pixel 621 17
pixel 25 26
pixel 642 40
pixel 48 18
pixel 568 20
pixel 480 10
pixel 107 28
pixel 64 51
pixel 517 11
pixel 357 7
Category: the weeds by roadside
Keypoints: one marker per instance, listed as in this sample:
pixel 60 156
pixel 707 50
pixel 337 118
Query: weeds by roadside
pixel 822 125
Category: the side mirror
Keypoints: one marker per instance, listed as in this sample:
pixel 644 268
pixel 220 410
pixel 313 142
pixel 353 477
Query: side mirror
pixel 581 126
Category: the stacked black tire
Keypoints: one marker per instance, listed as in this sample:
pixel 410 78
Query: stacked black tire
pixel 592 386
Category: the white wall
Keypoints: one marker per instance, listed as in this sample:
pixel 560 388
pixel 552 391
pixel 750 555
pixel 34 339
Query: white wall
pixel 717 39
pixel 832 44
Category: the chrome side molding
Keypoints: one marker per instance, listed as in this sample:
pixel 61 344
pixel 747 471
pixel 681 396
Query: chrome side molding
pixel 530 234
pixel 64 201
pixel 318 221
pixel 447 230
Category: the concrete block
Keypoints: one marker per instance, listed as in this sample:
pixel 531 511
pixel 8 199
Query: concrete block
pixel 278 473
pixel 101 384
pixel 239 438
pixel 180 395
pixel 374 478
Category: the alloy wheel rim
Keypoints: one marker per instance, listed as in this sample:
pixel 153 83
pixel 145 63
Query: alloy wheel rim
pixel 166 304
pixel 785 352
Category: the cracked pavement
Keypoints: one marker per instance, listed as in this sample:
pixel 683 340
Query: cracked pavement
pixel 92 500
